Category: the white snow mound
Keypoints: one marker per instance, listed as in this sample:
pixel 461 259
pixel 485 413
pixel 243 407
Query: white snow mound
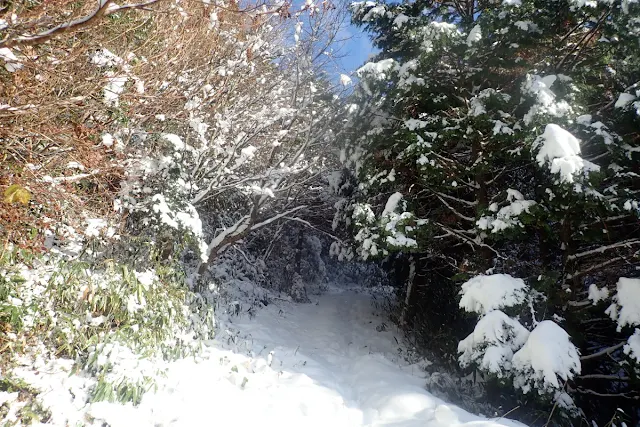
pixel 392 203
pixel 626 303
pixel 562 150
pixel 547 355
pixel 483 294
pixel 492 343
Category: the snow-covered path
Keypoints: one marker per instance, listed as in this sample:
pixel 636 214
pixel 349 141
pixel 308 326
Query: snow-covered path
pixel 321 364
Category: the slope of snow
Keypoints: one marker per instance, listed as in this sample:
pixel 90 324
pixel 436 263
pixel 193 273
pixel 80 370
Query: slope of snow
pixel 328 363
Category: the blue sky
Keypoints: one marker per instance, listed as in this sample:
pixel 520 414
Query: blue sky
pixel 356 49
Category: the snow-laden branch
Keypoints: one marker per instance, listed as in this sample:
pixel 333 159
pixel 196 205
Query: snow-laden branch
pixel 456 199
pixel 594 268
pixel 236 229
pixel 595 393
pixel 468 240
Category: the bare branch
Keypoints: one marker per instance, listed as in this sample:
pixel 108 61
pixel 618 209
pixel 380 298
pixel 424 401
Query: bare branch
pixel 602 249
pixel 602 352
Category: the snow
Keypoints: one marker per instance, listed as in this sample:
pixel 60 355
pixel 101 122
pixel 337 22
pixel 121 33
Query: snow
pixel 506 217
pixel 632 347
pixel 298 31
pixel 319 364
pixel 345 80
pixel 596 295
pixel 377 69
pixel 546 103
pixel 378 10
pixel 113 89
pixel 562 149
pixel 400 20
pixel 107 140
pixel 547 355
pixel 528 26
pixel 483 294
pixel 626 303
pixel 94 225
pixel 492 343
pixel 392 203
pixel 624 99
pixel 474 35
pixel 175 140
pixel 12 63
pixel 477 103
pixel 106 58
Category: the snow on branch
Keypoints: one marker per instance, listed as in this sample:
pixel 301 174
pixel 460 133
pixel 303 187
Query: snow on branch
pixel 492 343
pixel 626 303
pixel 483 294
pixel 603 352
pixel 548 355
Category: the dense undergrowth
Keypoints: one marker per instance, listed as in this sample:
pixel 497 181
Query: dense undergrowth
pixel 113 321
pixel 138 143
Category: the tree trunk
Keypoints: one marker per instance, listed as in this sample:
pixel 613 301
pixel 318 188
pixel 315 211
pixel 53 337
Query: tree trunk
pixel 482 199
pixel 407 298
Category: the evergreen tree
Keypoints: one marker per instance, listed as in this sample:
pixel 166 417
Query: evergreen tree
pixel 496 140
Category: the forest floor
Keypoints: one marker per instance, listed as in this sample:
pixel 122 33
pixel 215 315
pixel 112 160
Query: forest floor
pixel 332 362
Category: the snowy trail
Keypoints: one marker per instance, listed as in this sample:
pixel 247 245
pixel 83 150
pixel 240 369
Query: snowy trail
pixel 335 344
pixel 320 364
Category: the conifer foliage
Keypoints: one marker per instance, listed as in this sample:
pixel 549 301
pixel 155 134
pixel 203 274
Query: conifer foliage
pixel 497 142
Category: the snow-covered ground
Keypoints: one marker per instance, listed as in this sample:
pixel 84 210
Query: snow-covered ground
pixel 328 363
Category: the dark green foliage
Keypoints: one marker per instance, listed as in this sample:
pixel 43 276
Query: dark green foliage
pixel 459 126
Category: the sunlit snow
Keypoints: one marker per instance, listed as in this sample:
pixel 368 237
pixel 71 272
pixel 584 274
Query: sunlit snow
pixel 319 364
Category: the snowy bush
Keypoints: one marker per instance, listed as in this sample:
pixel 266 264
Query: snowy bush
pixel 501 346
pixel 492 344
pixel 104 315
pixel 390 231
pixel 547 355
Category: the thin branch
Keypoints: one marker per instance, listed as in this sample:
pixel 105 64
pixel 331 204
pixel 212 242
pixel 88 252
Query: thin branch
pixel 470 241
pixel 595 393
pixel 308 224
pixel 602 352
pixel 458 214
pixel 602 249
pixel 603 377
pixel 276 217
pixel 76 24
